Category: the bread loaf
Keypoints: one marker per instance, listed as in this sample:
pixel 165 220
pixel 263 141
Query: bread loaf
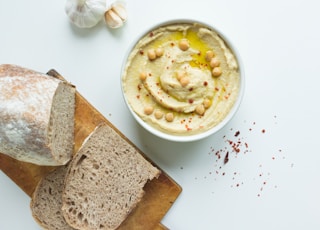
pixel 104 181
pixel 46 201
pixel 36 116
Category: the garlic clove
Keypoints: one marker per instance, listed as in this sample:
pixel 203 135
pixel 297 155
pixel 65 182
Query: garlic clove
pixel 112 19
pixel 116 14
pixel 121 11
pixel 85 13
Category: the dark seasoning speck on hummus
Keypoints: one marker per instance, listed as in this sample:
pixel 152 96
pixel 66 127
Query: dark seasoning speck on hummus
pixel 181 79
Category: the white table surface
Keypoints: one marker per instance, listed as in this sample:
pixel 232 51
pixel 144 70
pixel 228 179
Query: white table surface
pixel 273 182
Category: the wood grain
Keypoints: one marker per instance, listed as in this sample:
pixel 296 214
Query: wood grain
pixel 160 193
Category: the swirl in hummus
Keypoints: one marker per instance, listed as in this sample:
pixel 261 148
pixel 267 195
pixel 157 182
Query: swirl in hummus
pixel 182 79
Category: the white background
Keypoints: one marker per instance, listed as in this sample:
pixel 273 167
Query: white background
pixel 273 182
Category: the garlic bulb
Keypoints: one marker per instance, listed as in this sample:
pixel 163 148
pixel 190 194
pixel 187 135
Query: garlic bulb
pixel 116 14
pixel 85 13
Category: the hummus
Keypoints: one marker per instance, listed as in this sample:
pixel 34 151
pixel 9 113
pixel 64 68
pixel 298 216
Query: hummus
pixel 181 79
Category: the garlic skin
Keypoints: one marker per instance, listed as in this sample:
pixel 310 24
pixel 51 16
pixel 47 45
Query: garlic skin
pixel 85 13
pixel 116 14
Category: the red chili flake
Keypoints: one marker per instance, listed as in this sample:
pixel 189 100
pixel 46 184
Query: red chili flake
pixel 226 158
pixel 246 144
pixel 138 96
pixel 141 52
pixel 205 83
pixel 237 185
pixel 223 173
pixel 235 146
pixel 187 128
pixel 218 154
pixel 191 101
pixel 150 74
pixel 172 44
pixel 237 133
pixel 151 34
pixel 216 89
pixel 263 131
pixel 191 89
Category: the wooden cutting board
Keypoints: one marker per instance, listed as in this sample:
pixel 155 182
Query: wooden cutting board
pixel 160 193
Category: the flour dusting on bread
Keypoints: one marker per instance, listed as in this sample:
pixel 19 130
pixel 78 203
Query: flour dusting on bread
pixel 36 116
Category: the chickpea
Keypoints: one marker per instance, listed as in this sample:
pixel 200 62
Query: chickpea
pixel 148 110
pixel 216 72
pixel 206 103
pixel 158 114
pixel 214 62
pixel 184 81
pixel 159 52
pixel 200 109
pixel 184 44
pixel 152 54
pixel 143 76
pixel 209 55
pixel 180 74
pixel 169 117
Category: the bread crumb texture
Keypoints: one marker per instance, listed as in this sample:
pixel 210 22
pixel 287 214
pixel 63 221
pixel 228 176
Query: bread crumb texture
pixel 105 181
pixel 47 201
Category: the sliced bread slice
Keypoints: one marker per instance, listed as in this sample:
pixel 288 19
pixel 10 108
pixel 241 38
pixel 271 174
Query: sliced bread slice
pixel 105 181
pixel 46 201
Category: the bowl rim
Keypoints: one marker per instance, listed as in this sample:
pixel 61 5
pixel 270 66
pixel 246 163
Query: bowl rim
pixel 196 136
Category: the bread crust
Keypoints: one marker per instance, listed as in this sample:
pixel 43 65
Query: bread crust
pixel 26 98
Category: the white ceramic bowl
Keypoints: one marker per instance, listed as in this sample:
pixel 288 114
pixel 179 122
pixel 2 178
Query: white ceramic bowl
pixel 197 136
